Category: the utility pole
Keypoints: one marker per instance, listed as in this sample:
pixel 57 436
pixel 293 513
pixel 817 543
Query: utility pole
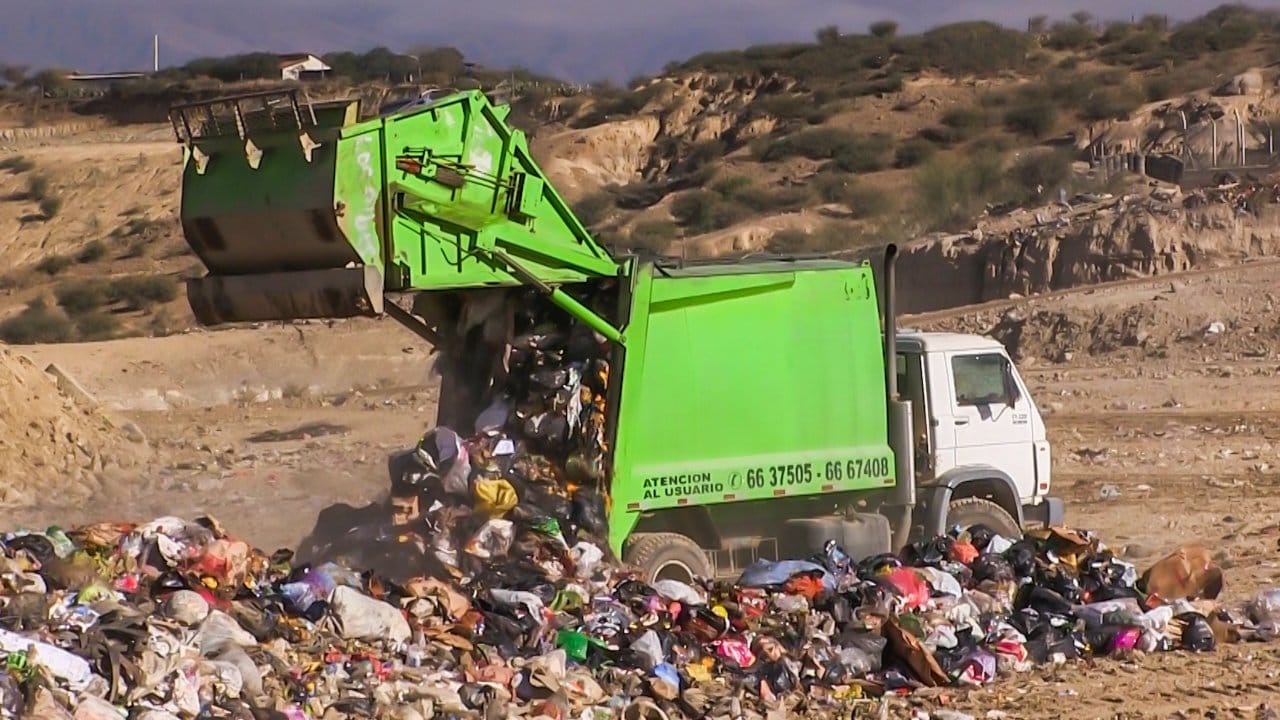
pixel 155 53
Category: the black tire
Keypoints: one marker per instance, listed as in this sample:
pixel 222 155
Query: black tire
pixel 970 511
pixel 668 556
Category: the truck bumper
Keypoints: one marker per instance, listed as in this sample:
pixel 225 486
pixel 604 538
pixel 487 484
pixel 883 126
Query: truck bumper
pixel 1050 511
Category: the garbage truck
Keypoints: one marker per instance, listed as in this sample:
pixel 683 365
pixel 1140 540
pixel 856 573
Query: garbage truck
pixel 757 408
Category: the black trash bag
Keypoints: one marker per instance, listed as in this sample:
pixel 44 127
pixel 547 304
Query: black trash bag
pixel 1055 642
pixel 993 567
pixel 1022 558
pixel 1062 583
pixel 837 606
pixel 37 546
pixel 587 512
pixel 1046 635
pixel 1197 635
pixel 877 564
pixel 871 646
pixel 980 536
pixel 1042 600
pixel 930 553
pixel 1113 592
pixel 1102 639
pixel 778 676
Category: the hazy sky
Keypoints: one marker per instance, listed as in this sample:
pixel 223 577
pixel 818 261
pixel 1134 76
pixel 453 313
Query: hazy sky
pixel 576 39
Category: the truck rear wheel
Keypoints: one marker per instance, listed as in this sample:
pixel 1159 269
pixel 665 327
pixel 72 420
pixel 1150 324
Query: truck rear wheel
pixel 668 556
pixel 970 511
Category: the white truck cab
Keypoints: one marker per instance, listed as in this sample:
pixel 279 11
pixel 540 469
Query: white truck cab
pixel 977 435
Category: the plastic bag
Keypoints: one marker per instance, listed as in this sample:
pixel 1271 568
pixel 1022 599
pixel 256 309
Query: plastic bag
pixel 767 573
pixel 493 539
pixel 356 616
pixel 648 650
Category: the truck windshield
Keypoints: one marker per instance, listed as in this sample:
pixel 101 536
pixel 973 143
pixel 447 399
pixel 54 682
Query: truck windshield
pixel 979 379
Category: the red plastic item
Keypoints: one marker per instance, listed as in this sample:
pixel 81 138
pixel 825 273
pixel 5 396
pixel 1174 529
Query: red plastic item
pixel 807 585
pixel 962 552
pixel 911 585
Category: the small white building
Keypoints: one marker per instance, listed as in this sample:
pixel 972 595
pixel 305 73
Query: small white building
pixel 302 66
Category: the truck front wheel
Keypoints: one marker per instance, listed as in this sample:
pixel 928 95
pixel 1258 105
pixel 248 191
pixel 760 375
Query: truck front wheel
pixel 970 511
pixel 668 556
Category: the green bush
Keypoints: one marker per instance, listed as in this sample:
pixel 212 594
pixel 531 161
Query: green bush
pixel 37 187
pixel 53 264
pixel 791 107
pixel 913 151
pixel 883 29
pixel 1116 32
pixel 142 291
pixel 967 120
pixel 976 48
pixel 92 252
pixel 652 235
pixel 940 135
pixel 1070 36
pixel 740 189
pixel 865 154
pixel 639 195
pixel 706 152
pixel 97 326
pixel 693 208
pixel 950 191
pixel 995 144
pixel 702 211
pixel 828 238
pixel 814 143
pixel 1225 28
pixel 865 201
pixel 1040 174
pixel 49 206
pixel 1036 119
pixel 36 324
pixel 730 185
pixel 1112 103
pixel 1159 88
pixel 1133 47
pixel 78 297
pixel 16 164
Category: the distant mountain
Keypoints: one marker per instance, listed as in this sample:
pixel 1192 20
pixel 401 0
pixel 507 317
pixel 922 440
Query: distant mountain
pixel 580 40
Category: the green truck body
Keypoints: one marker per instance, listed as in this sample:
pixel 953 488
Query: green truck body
pixel 750 396
pixel 747 384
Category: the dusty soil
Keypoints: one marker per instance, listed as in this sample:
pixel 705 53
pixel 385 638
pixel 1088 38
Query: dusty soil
pixel 264 427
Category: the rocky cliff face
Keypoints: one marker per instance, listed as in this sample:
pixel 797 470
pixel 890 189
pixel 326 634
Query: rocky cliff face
pixel 680 113
pixel 1137 239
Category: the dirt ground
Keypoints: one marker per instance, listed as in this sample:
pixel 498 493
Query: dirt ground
pixel 1166 438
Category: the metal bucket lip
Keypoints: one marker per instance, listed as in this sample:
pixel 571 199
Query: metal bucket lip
pixel 306 294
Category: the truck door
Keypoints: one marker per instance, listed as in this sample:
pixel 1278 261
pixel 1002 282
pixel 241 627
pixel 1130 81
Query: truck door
pixel 992 417
pixel 911 387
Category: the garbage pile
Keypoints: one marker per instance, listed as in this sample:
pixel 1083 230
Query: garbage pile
pixel 177 619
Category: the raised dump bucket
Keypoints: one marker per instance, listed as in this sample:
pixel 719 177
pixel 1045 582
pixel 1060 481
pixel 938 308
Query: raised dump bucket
pixel 301 210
